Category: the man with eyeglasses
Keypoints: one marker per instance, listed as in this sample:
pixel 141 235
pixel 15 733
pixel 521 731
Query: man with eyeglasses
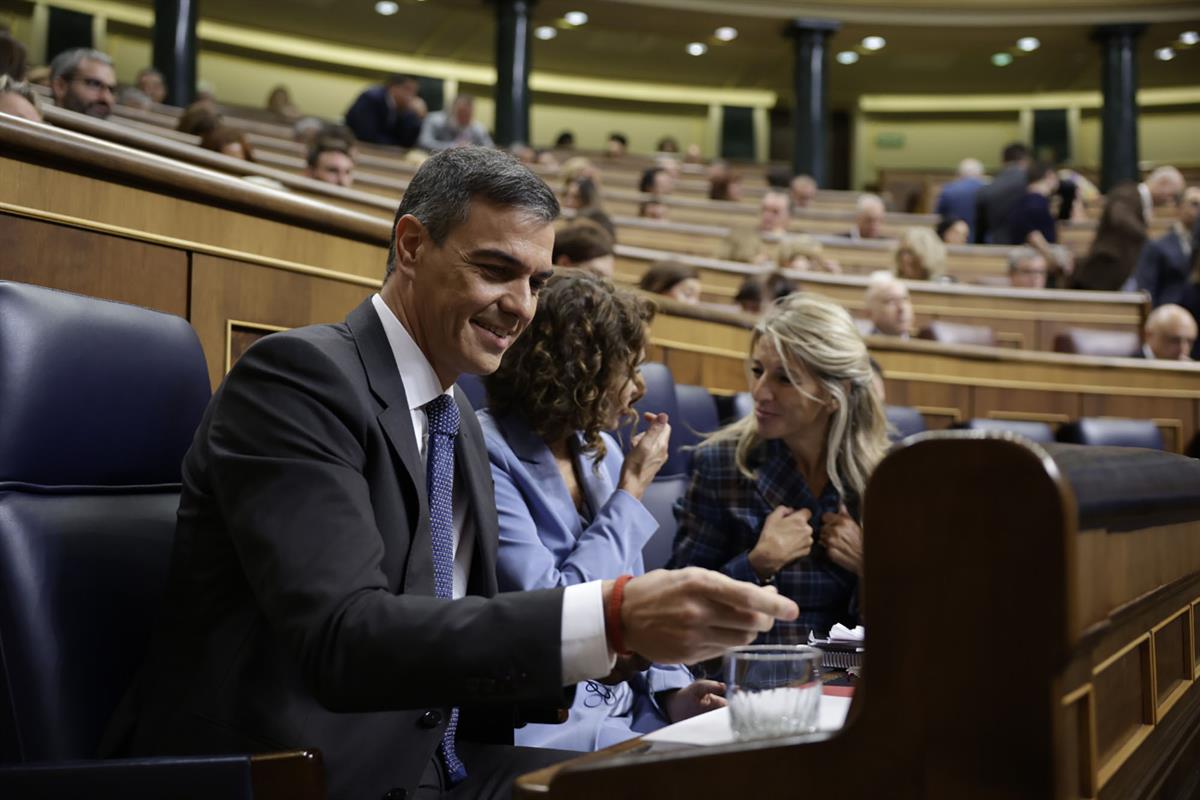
pixel 84 80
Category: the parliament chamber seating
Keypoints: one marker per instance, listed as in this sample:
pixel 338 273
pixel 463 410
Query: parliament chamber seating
pixel 1113 433
pixel 697 419
pixel 1091 342
pixel 672 479
pixel 1035 643
pixel 472 386
pixel 100 401
pixel 903 421
pixel 957 333
pixel 1038 432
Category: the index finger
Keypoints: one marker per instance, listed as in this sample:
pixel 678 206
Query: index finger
pixel 746 597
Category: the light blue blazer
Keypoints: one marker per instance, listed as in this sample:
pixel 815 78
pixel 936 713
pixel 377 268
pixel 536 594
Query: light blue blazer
pixel 544 544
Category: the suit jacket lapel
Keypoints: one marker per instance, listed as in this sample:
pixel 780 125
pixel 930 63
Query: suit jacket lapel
pixel 395 419
pixel 471 465
pixel 537 459
pixel 597 483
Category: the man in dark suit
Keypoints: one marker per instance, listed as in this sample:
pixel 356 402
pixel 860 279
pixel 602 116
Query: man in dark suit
pixel 388 114
pixel 333 580
pixel 1166 263
pixel 994 202
pixel 957 198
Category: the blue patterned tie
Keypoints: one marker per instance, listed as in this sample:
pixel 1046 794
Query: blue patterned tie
pixel 439 462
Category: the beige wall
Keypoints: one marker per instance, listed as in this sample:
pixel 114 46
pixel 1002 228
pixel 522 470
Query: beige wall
pixel 932 141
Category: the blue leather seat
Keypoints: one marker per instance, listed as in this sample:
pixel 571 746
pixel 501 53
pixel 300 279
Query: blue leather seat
pixel 660 398
pixel 743 405
pixel 903 421
pixel 697 419
pixel 1038 432
pixel 472 387
pixel 1112 433
pixel 98 404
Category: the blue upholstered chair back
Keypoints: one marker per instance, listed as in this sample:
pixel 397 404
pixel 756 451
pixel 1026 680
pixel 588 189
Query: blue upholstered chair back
pixel 659 399
pixel 1113 433
pixel 98 404
pixel 903 421
pixel 472 386
pixel 1038 432
pixel 697 419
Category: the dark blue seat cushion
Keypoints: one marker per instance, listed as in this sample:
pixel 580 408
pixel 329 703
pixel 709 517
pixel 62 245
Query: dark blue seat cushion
pixel 1112 433
pixel 1038 432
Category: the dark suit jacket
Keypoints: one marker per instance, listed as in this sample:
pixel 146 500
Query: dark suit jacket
pixel 957 199
pixel 993 204
pixel 373 120
pixel 1163 270
pixel 300 609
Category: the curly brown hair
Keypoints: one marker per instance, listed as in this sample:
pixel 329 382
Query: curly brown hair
pixel 586 338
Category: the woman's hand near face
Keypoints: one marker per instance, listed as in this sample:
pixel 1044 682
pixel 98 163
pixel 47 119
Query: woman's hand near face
pixel 646 456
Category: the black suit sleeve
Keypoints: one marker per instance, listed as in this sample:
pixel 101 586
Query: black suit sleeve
pixel 287 459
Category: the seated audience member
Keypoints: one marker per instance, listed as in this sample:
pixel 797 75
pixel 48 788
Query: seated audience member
pixel 743 245
pixel 228 141
pixel 1027 268
pixel 1170 334
pixel 331 161
pixel 868 218
pixel 667 144
pixel 726 187
pixel 774 213
pixel 1120 236
pixel 150 82
pixel 994 202
pixel 803 252
pixel 388 114
pixel 547 159
pixel 1165 263
pixel 1161 187
pixel 656 181
pixel 18 99
pixel 749 296
pixel 454 128
pixel 83 80
pixel 803 191
pixel 775 498
pixel 279 103
pixel 675 280
pixel 1030 221
pixel 719 168
pixel 888 305
pixel 779 177
pixel 199 119
pixel 953 230
pixel 653 208
pixel 692 154
pixel 585 245
pixel 597 215
pixel 307 130
pixel 559 387
pixel 564 141
pixel 577 167
pixel 581 193
pixel 957 198
pixel 920 255
pixel 616 146
pixel 13 57
pixel 134 98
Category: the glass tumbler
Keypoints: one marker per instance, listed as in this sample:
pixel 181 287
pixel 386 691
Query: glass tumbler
pixel 773 690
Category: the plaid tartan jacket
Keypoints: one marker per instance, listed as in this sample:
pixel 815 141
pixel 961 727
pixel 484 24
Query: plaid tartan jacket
pixel 723 512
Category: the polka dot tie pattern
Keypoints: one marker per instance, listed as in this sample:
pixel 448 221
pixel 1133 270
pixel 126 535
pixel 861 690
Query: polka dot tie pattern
pixel 442 413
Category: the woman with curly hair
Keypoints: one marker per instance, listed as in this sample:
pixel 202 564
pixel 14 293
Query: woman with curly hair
pixel 775 497
pixel 568 504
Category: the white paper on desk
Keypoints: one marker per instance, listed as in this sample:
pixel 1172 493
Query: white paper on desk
pixel 713 728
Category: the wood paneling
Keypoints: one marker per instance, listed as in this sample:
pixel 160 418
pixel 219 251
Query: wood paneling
pixel 225 290
pixel 111 267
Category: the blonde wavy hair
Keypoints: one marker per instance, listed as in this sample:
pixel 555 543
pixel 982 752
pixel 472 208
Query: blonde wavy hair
pixel 927 249
pixel 814 333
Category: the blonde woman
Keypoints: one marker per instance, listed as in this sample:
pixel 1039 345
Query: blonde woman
pixel 776 497
pixel 920 256
pixel 804 252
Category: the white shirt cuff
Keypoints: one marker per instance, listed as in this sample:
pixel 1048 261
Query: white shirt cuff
pixel 584 647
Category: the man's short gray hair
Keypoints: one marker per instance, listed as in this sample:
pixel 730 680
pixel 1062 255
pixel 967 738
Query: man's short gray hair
pixel 1019 255
pixel 867 200
pixel 66 63
pixel 440 194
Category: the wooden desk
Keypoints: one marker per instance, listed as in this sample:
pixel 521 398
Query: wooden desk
pixel 1059 612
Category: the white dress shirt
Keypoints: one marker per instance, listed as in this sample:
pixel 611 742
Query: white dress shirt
pixel 585 652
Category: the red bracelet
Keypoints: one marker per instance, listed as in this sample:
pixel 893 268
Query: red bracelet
pixel 612 616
